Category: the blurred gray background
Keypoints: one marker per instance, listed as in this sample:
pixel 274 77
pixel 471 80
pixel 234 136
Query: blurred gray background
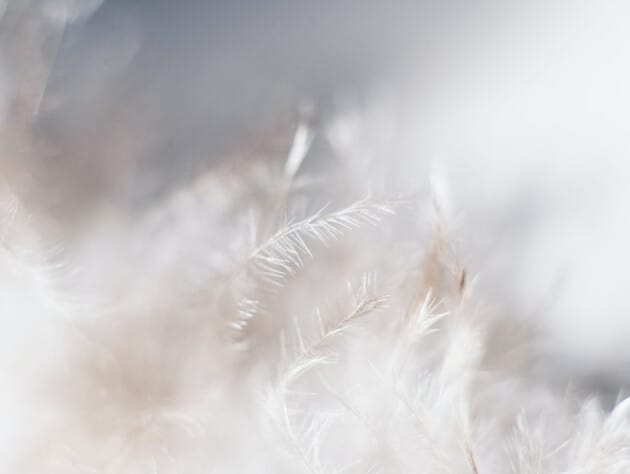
pixel 163 86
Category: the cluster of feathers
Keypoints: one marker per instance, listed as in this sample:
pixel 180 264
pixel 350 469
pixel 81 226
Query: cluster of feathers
pixel 271 316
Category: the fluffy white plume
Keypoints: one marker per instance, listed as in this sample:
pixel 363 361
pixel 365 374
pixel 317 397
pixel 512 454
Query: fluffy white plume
pixel 268 317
